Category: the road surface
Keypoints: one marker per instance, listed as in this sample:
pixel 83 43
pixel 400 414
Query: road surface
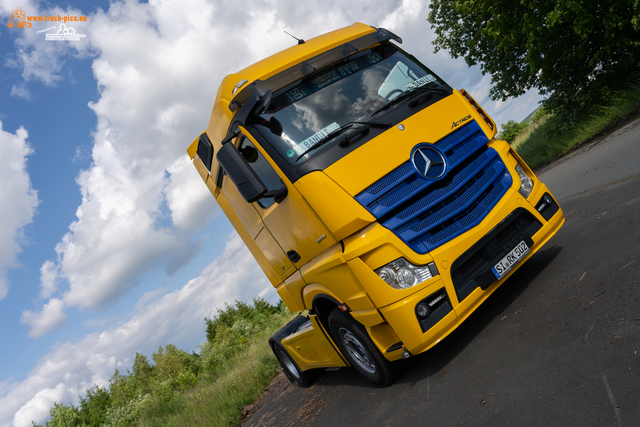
pixel 558 344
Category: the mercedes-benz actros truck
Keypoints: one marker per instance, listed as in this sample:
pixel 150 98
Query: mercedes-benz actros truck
pixel 374 196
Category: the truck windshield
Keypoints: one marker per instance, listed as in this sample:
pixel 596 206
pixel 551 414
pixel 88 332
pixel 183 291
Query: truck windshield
pixel 354 90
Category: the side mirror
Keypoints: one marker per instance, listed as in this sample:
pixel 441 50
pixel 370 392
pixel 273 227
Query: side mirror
pixel 245 179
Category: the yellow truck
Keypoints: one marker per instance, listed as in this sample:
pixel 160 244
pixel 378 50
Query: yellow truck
pixel 375 198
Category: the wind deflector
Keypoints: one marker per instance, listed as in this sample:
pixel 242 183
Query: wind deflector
pixel 299 71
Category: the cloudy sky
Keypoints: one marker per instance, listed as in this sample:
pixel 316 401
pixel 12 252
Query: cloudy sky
pixel 110 243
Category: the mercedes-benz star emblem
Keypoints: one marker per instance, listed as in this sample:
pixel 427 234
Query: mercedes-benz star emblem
pixel 429 161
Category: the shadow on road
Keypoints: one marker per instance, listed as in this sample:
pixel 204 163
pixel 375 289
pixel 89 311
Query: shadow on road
pixel 437 358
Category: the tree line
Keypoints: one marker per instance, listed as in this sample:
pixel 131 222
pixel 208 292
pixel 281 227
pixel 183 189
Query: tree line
pixel 579 54
pixel 150 390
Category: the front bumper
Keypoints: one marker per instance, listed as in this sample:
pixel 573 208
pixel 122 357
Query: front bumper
pixel 464 267
pixel 467 295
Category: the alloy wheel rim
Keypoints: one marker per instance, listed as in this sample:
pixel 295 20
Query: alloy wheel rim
pixel 288 363
pixel 358 353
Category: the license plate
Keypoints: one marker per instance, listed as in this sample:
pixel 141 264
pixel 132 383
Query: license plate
pixel 511 259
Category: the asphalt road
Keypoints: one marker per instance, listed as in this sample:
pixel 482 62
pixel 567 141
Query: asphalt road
pixel 557 345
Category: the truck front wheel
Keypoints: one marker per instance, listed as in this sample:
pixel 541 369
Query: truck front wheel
pixel 363 355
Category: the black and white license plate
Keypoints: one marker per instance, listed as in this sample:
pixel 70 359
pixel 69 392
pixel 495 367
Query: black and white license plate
pixel 511 259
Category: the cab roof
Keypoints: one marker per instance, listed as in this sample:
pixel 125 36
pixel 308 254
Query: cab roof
pixel 237 87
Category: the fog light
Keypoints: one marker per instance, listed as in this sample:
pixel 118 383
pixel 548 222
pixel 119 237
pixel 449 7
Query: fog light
pixel 423 310
pixel 546 201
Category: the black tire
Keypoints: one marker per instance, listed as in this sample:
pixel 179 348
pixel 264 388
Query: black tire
pixel 291 369
pixel 357 347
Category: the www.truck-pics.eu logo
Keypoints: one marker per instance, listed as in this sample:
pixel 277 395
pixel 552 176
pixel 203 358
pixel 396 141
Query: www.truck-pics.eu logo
pixel 20 19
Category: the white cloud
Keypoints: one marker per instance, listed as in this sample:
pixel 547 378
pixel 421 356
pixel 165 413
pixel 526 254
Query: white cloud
pixel 18 200
pixel 187 200
pixel 517 108
pixel 148 296
pixel 38 407
pixel 511 109
pixel 52 316
pixel 481 91
pixel 141 199
pixel 116 237
pixel 48 278
pixel 406 15
pixel 72 367
pixel 21 91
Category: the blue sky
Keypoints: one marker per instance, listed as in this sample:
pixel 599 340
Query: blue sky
pixel 110 243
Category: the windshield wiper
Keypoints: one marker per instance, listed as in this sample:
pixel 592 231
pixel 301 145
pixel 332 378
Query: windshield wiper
pixel 339 130
pixel 426 92
pixel 398 99
pixel 427 95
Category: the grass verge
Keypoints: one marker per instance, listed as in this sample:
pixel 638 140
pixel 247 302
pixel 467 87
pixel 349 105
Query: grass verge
pixel 549 139
pixel 219 400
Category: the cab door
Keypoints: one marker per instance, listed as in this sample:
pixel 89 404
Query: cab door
pixel 297 229
pixel 250 226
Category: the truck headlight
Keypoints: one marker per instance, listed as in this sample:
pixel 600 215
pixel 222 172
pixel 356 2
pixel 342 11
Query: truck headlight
pixel 526 184
pixel 401 274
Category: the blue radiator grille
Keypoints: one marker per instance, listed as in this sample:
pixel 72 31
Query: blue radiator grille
pixel 427 214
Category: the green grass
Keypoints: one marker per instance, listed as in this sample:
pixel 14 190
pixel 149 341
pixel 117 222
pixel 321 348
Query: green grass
pixel 177 388
pixel 219 400
pixel 540 144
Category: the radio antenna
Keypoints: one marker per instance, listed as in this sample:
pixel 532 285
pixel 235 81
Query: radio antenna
pixel 300 41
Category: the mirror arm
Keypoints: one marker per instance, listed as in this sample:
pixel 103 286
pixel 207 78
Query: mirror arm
pixel 278 195
pixel 232 134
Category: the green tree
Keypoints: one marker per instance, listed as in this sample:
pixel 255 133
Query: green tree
pixel 122 389
pixel 258 315
pixel 93 407
pixel 171 361
pixel 143 373
pixel 573 51
pixel 511 129
pixel 63 416
pixel 538 115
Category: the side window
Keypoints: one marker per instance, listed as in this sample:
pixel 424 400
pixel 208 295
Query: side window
pixel 205 151
pixel 262 168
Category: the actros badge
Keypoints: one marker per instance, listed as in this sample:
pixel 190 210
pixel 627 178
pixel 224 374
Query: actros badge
pixel 429 161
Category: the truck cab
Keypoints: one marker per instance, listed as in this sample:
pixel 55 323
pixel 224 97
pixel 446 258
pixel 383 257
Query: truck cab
pixel 374 196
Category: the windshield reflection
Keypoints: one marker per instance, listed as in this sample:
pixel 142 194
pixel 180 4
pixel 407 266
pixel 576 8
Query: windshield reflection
pixel 350 91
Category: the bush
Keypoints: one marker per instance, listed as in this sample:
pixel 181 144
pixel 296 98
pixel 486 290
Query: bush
pixel 233 365
pixel 511 130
